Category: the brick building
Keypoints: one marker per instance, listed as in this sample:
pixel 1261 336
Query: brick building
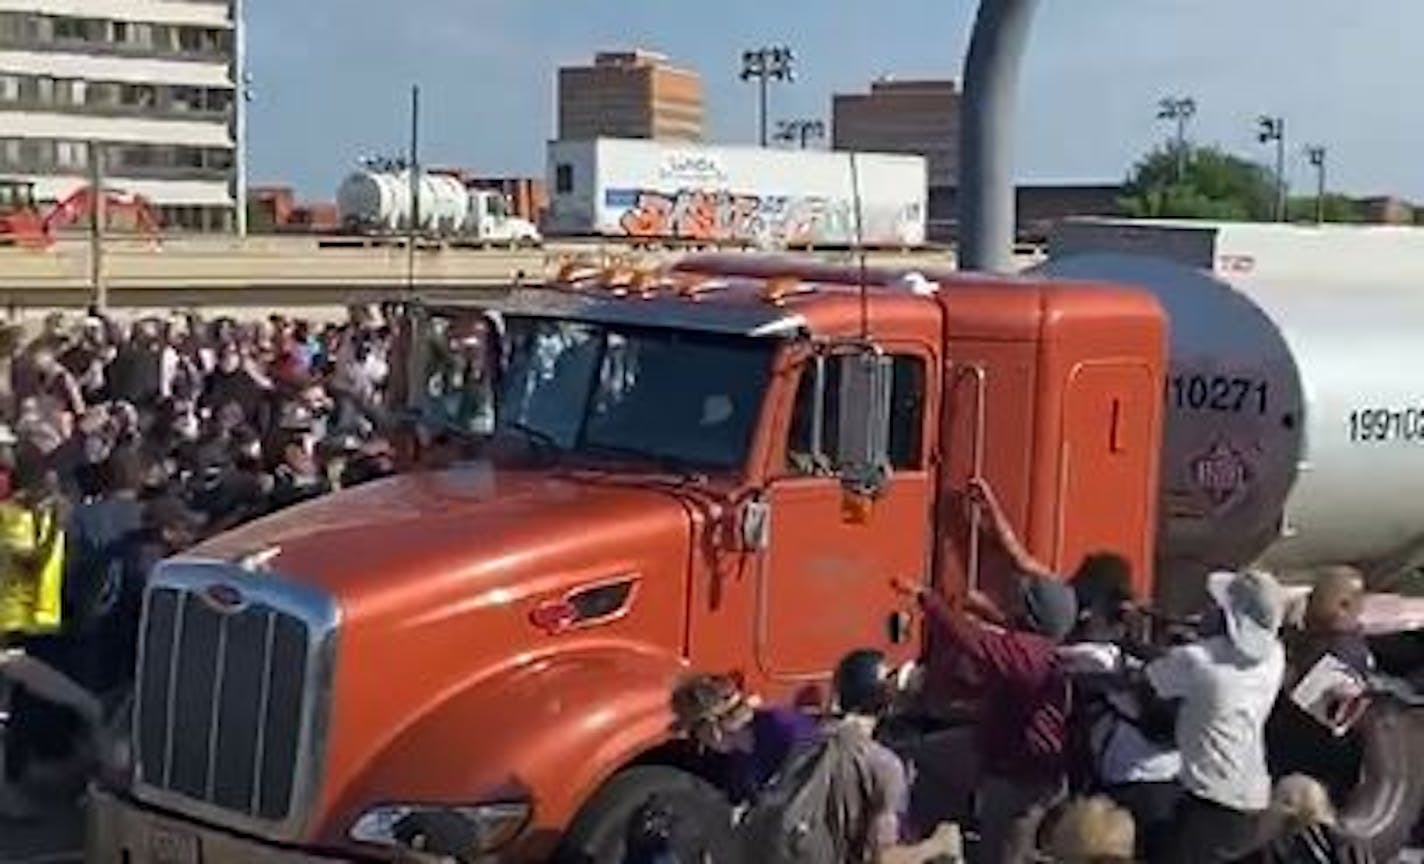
pixel 629 94
pixel 917 118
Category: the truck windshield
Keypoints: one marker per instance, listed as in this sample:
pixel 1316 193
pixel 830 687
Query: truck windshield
pixel 685 398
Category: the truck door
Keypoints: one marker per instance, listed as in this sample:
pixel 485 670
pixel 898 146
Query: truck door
pixel 826 578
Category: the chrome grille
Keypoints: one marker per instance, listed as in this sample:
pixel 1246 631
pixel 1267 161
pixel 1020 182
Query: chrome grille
pixel 232 697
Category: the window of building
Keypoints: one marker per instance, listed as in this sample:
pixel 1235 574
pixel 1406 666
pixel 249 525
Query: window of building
pixel 9 88
pixel 10 152
pixel 44 90
pixel 104 93
pixel 186 99
pixel 808 456
pixel 140 95
pixel 563 178
pixel 68 29
pixel 71 154
pixel 68 92
pixel 165 37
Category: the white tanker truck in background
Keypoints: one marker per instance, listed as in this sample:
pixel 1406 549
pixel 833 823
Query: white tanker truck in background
pixel 378 201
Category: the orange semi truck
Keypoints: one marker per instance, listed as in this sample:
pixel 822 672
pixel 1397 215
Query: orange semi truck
pixel 712 467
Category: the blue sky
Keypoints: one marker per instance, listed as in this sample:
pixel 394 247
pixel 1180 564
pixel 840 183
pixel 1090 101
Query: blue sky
pixel 331 77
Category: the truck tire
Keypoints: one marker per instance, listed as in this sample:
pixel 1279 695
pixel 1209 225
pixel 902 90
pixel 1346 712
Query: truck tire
pixel 1385 807
pixel 701 814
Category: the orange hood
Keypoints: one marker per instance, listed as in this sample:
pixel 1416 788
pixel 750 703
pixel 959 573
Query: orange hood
pixel 436 576
pixel 475 525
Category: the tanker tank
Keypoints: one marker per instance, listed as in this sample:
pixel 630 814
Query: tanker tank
pixel 380 202
pixel 1295 420
pixel 373 201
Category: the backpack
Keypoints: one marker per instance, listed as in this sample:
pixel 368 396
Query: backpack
pixel 818 809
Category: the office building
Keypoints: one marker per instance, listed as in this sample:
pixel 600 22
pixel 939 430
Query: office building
pixel 150 84
pixel 629 94
pixel 918 118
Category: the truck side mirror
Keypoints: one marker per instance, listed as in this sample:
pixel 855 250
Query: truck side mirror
pixel 863 424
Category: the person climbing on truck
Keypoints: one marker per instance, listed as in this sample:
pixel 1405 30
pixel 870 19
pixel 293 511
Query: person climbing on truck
pixel 1121 747
pixel 1225 684
pixel 1023 725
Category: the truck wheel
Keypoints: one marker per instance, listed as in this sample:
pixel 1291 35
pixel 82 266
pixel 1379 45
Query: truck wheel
pixel 701 816
pixel 1385 807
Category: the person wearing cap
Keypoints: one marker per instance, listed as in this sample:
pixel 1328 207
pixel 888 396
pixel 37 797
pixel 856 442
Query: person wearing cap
pixel 742 744
pixel 1225 685
pixel 1013 654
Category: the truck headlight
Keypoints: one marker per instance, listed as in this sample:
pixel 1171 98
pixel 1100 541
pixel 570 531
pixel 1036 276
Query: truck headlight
pixel 440 830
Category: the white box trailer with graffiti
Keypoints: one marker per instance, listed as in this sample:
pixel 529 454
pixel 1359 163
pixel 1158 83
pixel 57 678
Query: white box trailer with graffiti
pixel 655 191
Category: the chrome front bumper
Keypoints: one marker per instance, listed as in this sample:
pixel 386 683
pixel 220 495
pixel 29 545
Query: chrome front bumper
pixel 120 831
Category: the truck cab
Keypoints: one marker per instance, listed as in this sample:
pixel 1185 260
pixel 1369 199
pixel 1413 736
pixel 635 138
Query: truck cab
pixel 618 479
pixel 490 220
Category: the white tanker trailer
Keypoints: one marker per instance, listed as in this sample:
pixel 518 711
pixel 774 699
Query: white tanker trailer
pixel 379 202
pixel 1294 432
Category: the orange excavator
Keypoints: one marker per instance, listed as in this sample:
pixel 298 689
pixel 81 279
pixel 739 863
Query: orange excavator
pixel 23 224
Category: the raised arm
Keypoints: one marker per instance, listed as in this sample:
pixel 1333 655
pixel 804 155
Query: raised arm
pixel 981 495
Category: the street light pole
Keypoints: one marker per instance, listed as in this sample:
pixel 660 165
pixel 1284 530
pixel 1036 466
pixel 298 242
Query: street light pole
pixel 98 217
pixel 1316 154
pixel 1270 129
pixel 1179 109
pixel 772 63
pixel 242 94
pixel 413 166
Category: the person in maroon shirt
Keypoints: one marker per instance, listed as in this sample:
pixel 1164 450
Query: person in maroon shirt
pixel 1023 724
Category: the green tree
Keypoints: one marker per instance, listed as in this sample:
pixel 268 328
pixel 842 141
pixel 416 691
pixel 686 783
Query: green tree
pixel 1214 184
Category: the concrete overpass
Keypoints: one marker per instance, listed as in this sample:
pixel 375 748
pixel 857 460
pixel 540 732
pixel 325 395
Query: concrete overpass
pixel 302 273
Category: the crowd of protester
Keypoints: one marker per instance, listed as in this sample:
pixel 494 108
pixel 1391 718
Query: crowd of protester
pixel 122 443
pixel 1096 744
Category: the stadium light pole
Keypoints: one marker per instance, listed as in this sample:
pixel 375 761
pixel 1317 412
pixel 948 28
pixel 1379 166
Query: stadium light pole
pixel 800 132
pixel 1179 110
pixel 764 65
pixel 1316 154
pixel 986 181
pixel 1269 129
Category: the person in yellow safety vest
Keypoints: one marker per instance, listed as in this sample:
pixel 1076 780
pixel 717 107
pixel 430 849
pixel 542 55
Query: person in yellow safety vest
pixel 31 587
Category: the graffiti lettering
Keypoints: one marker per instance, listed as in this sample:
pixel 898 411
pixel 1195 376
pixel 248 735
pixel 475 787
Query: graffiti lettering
pixel 711 216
